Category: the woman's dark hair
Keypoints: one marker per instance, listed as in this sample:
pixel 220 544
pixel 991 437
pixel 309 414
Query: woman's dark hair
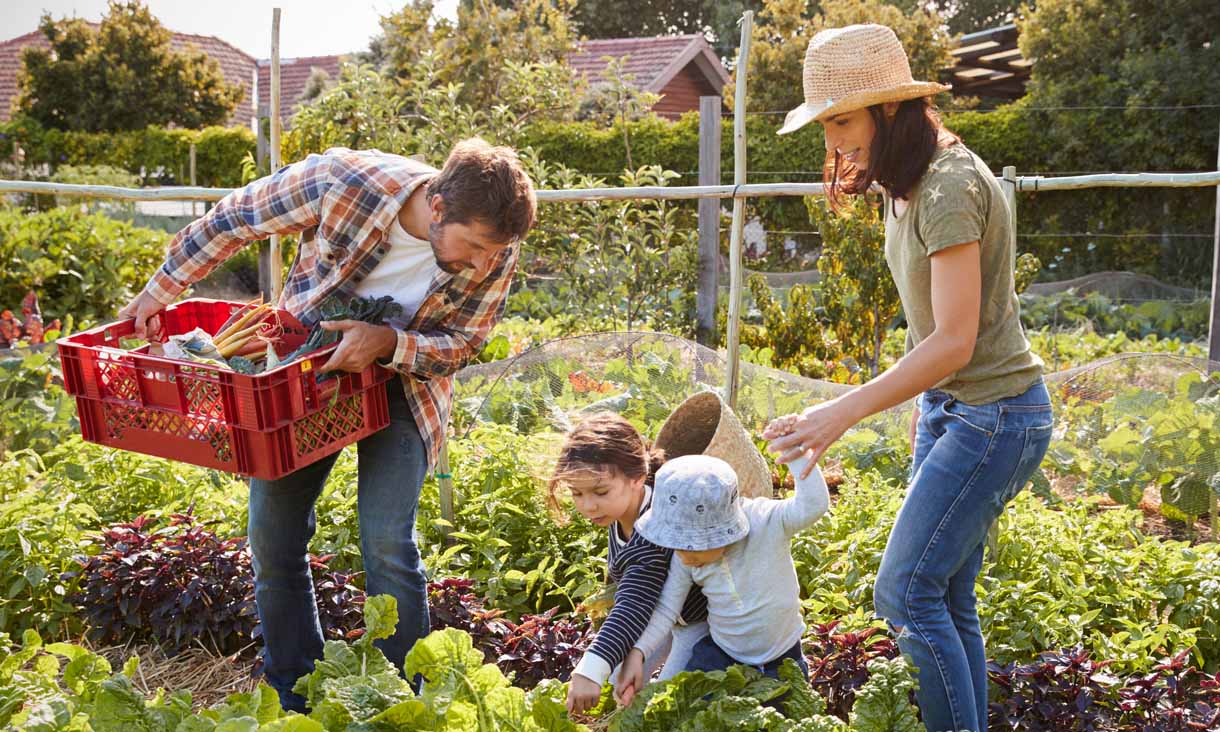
pixel 899 156
pixel 602 442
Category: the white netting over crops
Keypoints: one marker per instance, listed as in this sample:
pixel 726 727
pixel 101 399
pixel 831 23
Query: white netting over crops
pixel 1138 428
pixel 1120 287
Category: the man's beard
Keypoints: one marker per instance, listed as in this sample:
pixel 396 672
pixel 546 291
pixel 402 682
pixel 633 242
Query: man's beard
pixel 450 266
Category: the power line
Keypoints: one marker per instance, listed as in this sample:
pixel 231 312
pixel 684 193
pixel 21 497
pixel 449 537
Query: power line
pixel 1095 108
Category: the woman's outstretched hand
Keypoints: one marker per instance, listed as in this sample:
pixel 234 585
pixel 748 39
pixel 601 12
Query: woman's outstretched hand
pixel 809 433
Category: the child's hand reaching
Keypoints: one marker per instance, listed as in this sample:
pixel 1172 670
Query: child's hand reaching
pixel 630 677
pixel 583 694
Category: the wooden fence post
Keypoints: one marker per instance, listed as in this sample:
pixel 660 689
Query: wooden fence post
pixel 709 222
pixel 1213 337
pixel 739 211
pixel 194 208
pixel 274 263
pixel 444 479
pixel 1213 330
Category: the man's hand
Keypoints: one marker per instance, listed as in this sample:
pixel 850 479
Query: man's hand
pixel 360 345
pixel 630 677
pixel 914 426
pixel 145 309
pixel 583 694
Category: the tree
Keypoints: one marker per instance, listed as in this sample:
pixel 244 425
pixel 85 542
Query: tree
pixel 122 76
pixel 858 298
pixel 606 19
pixel 1116 85
pixel 475 51
pixel 1129 54
pixel 617 99
pixel 784 28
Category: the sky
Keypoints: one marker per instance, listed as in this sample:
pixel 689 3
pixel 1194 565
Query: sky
pixel 307 27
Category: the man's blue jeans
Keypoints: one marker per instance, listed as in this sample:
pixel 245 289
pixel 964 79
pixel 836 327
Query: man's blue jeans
pixel 969 462
pixel 392 464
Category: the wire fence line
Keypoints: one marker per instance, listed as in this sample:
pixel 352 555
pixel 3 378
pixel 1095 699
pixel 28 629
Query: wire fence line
pixel 571 195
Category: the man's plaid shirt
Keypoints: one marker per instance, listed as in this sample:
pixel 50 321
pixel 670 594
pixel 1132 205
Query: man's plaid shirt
pixel 342 203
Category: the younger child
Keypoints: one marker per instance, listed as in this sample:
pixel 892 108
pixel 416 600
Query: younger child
pixel 608 468
pixel 738 551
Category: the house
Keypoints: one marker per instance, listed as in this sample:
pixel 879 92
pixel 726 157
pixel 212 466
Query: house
pixel 679 68
pixel 237 66
pixel 294 77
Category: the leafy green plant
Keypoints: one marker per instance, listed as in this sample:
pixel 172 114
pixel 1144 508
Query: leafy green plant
pixel 741 698
pixel 35 412
pixel 858 297
pixel 355 684
pixel 84 265
pixel 507 540
pixel 1099 314
pixel 1139 437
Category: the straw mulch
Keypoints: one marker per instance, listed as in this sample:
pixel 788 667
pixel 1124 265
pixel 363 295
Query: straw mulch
pixel 209 677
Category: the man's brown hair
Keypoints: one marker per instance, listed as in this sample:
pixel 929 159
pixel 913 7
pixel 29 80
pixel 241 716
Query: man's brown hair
pixel 488 184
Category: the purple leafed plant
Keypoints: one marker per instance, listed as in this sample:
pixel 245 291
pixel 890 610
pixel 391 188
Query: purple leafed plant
pixel 838 663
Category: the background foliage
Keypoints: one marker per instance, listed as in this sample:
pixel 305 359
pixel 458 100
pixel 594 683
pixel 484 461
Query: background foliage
pixel 123 75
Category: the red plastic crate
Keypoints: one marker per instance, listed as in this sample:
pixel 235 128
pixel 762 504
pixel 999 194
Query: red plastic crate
pixel 266 425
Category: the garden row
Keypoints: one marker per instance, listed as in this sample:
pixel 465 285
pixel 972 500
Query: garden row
pixel 1072 576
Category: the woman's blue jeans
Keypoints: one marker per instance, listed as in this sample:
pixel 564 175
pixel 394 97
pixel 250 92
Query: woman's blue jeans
pixel 969 462
pixel 392 464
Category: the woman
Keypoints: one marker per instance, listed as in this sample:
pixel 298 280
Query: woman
pixel 983 419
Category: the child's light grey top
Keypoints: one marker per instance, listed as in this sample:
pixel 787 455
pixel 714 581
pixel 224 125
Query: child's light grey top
pixel 753 600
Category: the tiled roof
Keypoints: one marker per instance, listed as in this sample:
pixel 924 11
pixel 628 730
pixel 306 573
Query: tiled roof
pixel 653 61
pixel 10 64
pixel 294 75
pixel 236 65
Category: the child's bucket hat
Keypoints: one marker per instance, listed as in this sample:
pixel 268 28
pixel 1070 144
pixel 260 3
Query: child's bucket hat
pixel 851 68
pixel 695 506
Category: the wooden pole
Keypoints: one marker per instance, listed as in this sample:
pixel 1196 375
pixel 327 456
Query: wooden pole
pixel 1118 180
pixel 194 211
pixel 275 265
pixel 444 478
pixel 1213 334
pixel 262 156
pixel 709 222
pixel 739 210
pixel 1213 330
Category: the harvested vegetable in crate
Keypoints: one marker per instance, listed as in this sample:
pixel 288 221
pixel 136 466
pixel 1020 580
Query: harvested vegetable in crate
pixel 364 309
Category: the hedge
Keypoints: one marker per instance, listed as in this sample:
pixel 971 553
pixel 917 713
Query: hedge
pixel 1152 221
pixel 160 156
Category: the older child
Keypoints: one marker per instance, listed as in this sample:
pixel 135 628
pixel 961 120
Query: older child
pixel 738 552
pixel 608 467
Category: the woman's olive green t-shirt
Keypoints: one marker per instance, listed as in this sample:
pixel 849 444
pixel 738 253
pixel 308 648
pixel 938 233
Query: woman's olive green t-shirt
pixel 958 201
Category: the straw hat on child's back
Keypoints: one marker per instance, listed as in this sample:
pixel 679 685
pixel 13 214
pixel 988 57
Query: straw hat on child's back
pixel 705 425
pixel 851 68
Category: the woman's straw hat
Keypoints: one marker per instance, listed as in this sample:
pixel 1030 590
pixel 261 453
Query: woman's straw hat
pixel 855 67
pixel 704 425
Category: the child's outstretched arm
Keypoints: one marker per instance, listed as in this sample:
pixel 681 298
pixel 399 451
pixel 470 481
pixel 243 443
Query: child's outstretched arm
pixel 811 501
pixel 669 608
pixel 635 599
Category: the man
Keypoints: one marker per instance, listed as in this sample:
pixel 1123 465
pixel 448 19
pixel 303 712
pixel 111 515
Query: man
pixel 444 245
